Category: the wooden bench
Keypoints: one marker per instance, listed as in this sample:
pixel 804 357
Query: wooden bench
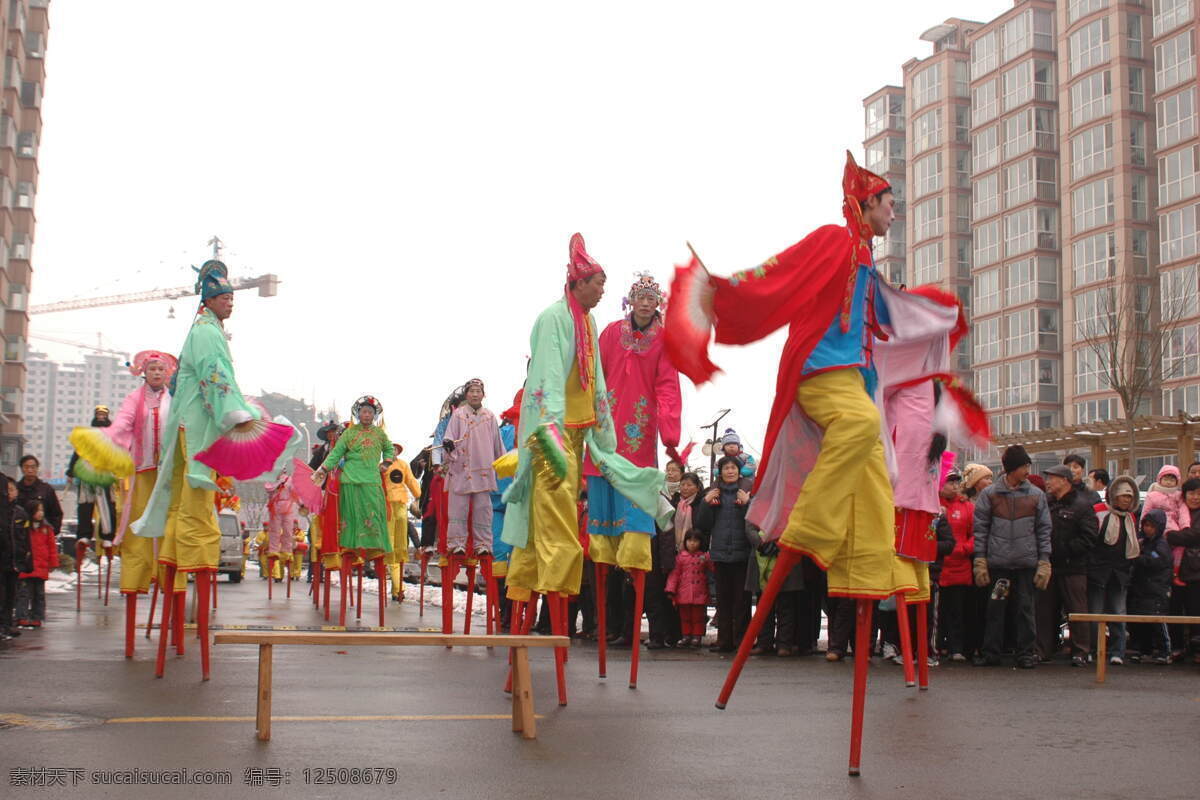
pixel 1102 631
pixel 522 691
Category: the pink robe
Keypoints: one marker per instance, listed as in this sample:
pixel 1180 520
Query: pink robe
pixel 643 391
pixel 476 435
pixel 138 427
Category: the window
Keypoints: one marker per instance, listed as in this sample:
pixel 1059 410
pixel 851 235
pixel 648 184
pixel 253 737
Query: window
pixel 987 291
pixel 1091 370
pixel 1091 98
pixel 962 257
pixel 1043 30
pixel 24 195
pixel 1020 337
pixel 1043 81
pixel 1091 151
pixel 876 159
pixel 1081 8
pixel 1095 315
pixel 35 44
pixel 927 173
pixel 962 82
pixel 987 340
pixel 986 148
pixel 1089 46
pixel 1169 14
pixel 927 261
pixel 1092 205
pixel 1133 33
pixel 984 55
pixel 883 113
pixel 1174 61
pixel 12 73
pixel 1025 130
pixel 962 169
pixel 984 105
pixel 962 124
pixel 1018 232
pixel 927 86
pixel 986 192
pixel 1181 352
pixel 27 144
pixel 987 243
pixel 1094 258
pixel 987 387
pixel 1017 36
pixel 1176 117
pixel 1029 178
pixel 1137 142
pixel 1019 385
pixel 1018 85
pixel 927 219
pixel 1031 279
pixel 1177 293
pixel 1096 411
pixel 1137 89
pixel 31 94
pixel 1139 198
pixel 1139 241
pixel 927 131
pixel 1181 398
pixel 1177 234
pixel 8 132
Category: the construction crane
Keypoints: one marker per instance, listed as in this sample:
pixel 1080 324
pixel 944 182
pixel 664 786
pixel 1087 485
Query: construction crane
pixel 267 285
pixel 97 348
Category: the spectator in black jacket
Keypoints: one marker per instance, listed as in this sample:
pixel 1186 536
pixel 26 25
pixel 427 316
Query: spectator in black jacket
pixel 1078 466
pixel 1110 562
pixel 32 489
pixel 1073 533
pixel 1189 566
pixel 722 518
pixel 16 554
pixel 1150 587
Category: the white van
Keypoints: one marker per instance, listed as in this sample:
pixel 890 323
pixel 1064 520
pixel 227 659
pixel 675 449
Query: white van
pixel 233 559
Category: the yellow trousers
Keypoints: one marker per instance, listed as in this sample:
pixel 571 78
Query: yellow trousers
pixel 137 552
pixel 630 550
pixel 844 518
pixel 192 540
pixel 552 559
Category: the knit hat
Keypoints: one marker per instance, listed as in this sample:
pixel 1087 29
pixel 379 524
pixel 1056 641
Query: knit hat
pixel 1169 469
pixel 1014 458
pixel 973 474
pixel 731 437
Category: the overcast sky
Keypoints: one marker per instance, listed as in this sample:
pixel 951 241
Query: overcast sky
pixel 412 171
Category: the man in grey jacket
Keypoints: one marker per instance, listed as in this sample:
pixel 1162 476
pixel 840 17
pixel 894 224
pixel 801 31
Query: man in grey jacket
pixel 1012 555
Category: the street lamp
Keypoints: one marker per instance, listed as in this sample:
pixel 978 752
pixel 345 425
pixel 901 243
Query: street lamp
pixel 711 445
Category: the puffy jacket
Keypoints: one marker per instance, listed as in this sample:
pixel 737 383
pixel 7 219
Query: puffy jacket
pixel 1189 540
pixel 1151 580
pixel 689 580
pixel 19 556
pixel 1075 531
pixel 957 519
pixel 1108 560
pixel 1012 526
pixel 43 552
pixel 725 526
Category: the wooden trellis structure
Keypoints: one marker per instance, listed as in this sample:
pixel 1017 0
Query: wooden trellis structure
pixel 1175 437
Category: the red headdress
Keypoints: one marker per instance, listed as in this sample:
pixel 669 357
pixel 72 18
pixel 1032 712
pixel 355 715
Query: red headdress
pixel 858 184
pixel 581 266
pixel 141 360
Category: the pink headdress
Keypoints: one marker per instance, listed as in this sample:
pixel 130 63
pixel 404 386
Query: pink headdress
pixel 146 357
pixel 580 266
pixel 645 284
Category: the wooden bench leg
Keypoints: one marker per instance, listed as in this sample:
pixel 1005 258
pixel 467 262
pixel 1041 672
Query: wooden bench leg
pixel 1101 650
pixel 263 720
pixel 522 695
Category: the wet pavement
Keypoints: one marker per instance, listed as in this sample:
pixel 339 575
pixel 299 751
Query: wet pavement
pixel 430 722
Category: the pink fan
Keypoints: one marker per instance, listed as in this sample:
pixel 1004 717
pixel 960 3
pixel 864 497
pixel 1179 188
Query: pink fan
pixel 310 494
pixel 247 454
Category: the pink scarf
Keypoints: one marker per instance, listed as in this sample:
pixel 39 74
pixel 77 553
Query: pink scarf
pixel 683 521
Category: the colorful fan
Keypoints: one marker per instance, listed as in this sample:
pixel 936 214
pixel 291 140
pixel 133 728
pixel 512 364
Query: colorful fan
pixel 102 453
pixel 309 493
pixel 88 474
pixel 547 440
pixel 246 453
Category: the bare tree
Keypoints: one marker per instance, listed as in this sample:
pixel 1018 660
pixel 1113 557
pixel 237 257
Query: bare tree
pixel 1135 334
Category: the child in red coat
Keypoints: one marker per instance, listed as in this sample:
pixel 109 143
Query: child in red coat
pixel 687 586
pixel 31 587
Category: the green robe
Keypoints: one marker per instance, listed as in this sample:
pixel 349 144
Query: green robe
pixel 362 512
pixel 207 404
pixel 552 344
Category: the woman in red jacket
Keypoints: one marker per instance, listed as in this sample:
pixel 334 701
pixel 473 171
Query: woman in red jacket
pixel 960 604
pixel 31 586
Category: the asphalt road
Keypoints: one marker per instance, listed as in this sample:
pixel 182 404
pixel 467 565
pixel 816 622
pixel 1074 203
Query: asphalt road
pixel 71 708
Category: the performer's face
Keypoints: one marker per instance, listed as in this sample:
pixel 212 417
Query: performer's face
pixel 221 305
pixel 880 212
pixel 588 292
pixel 156 375
pixel 366 415
pixel 644 306
pixel 475 397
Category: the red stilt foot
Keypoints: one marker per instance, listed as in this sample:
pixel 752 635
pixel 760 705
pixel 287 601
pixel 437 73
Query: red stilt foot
pixel 327 574
pixel 358 608
pixel 99 572
pixel 562 600
pixel 424 572
pixel 314 587
pixel 214 589
pixel 288 577
pixel 270 577
pixel 381 573
pixel 602 617
pixel 177 624
pixel 922 646
pixel 906 648
pixel 108 577
pixel 344 581
pixel 788 558
pixel 862 657
pixel 558 626
pixel 639 595
pixel 164 627
pixel 470 597
pixel 491 618
pixel 449 574
pixel 203 583
pixel 130 621
pixel 153 603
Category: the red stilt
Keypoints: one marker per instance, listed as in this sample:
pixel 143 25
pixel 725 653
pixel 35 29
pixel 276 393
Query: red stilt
pixel 424 572
pixel 862 657
pixel 562 599
pixel 358 608
pixel 130 621
pixel 108 577
pixel 99 572
pixel 288 576
pixel 80 552
pixel 449 573
pixel 470 596
pixel 602 616
pixel 381 573
pixel 344 582
pixel 558 626
pixel 164 627
pixel 922 646
pixel 203 582
pixel 177 623
pixel 639 594
pixel 491 618
pixel 788 558
pixel 214 589
pixel 315 586
pixel 327 574
pixel 153 603
pixel 906 648
pixel 270 577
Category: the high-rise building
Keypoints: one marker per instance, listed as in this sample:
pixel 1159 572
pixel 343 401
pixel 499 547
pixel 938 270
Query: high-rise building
pixel 62 396
pixel 1051 181
pixel 23 29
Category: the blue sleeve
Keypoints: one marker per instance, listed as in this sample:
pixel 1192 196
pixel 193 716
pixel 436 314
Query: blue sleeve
pixel 881 309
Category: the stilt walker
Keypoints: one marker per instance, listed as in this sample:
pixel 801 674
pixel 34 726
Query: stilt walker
pixel 138 428
pixel 823 487
pixel 645 402
pixel 283 504
pixel 94 483
pixel 564 406
pixel 506 468
pixel 210 426
pixel 401 489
